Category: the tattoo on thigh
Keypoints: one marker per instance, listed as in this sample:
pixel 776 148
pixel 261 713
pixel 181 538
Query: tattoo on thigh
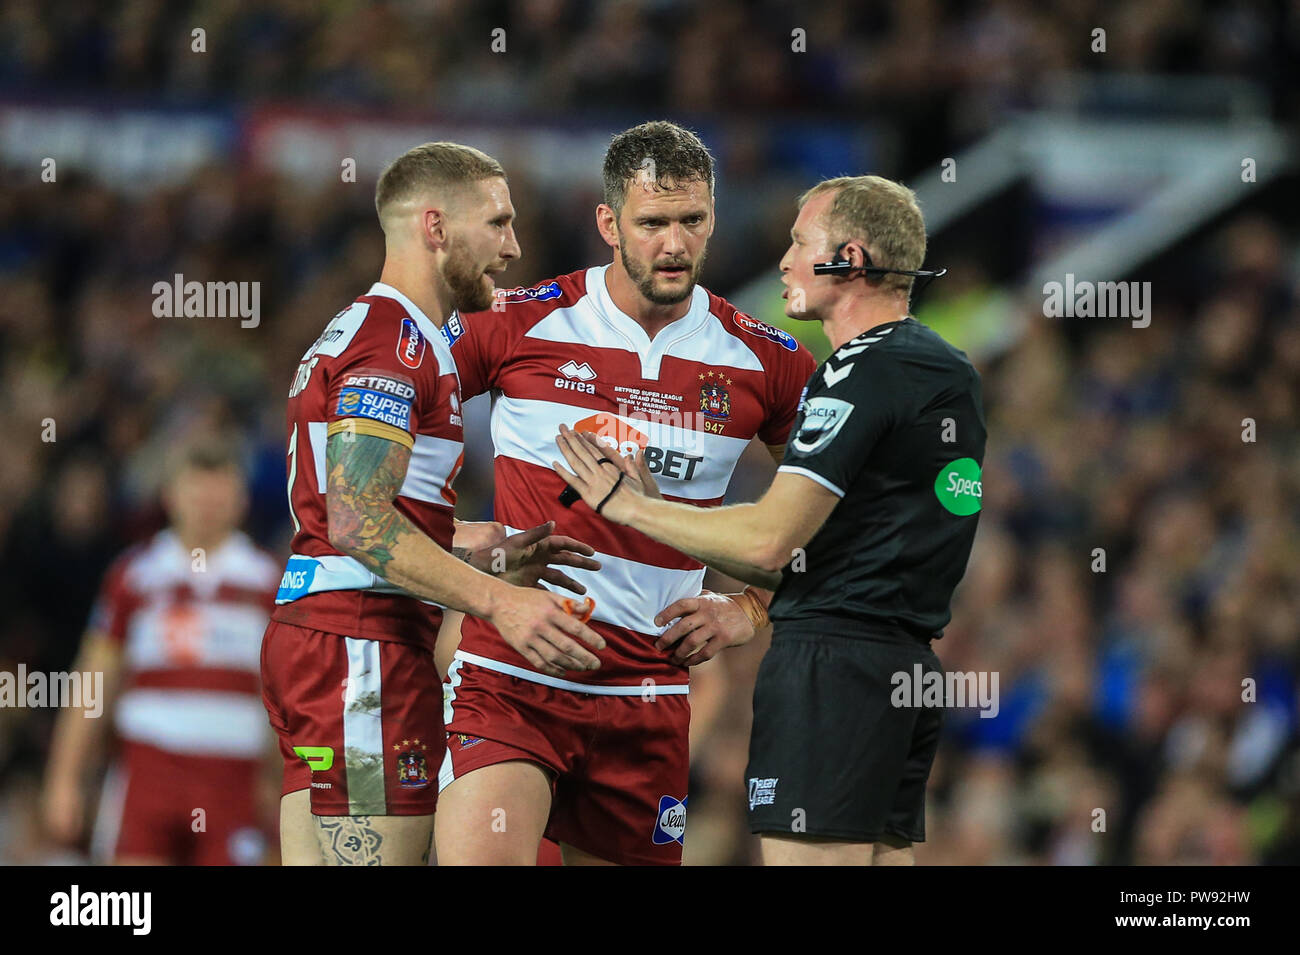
pixel 349 840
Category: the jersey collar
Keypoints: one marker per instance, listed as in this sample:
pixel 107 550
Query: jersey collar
pixel 651 351
pixel 881 328
pixel 435 334
pixel 387 291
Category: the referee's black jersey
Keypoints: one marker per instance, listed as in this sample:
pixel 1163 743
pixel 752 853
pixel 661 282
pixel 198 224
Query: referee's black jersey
pixel 893 424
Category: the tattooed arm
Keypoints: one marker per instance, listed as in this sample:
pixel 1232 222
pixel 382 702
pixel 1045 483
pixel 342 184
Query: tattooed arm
pixel 364 474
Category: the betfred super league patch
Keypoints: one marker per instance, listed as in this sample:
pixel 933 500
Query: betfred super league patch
pixel 378 398
pixel 452 329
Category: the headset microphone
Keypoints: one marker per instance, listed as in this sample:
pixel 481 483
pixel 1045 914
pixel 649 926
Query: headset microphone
pixel 842 266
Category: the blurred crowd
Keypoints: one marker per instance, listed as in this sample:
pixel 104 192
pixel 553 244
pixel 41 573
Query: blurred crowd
pixel 1135 581
pixel 926 60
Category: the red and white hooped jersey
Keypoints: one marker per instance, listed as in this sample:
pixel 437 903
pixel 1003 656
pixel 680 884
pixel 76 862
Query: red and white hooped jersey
pixel 190 626
pixel 381 367
pixel 693 397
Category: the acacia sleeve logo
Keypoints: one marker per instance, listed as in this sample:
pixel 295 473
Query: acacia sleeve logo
pixel 823 418
pixel 959 487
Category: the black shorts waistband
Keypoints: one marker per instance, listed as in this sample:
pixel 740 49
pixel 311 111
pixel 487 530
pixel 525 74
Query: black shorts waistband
pixel 838 629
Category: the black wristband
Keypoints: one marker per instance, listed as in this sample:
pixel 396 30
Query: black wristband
pixel 606 498
pixel 570 497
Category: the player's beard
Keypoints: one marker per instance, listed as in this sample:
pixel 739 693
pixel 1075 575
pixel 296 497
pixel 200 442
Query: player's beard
pixel 469 291
pixel 644 279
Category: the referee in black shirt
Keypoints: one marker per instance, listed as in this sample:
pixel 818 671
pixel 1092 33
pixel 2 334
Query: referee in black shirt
pixel 864 534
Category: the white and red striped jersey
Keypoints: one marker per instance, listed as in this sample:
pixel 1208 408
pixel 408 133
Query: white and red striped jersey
pixel 381 367
pixel 693 397
pixel 190 626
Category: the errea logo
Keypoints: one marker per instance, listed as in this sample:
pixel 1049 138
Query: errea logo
pixel 576 377
pixel 572 369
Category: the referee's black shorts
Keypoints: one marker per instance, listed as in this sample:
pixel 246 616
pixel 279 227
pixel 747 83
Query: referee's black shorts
pixel 830 756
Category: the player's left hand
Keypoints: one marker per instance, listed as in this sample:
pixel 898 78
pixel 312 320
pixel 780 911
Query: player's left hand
pixel 598 475
pixel 536 554
pixel 707 625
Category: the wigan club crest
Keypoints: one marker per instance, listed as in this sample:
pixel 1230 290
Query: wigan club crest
pixel 715 400
pixel 412 767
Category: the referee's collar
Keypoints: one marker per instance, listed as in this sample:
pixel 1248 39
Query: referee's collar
pixel 877 332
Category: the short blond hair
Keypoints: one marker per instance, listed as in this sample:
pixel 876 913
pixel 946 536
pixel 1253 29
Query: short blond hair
pixel 435 168
pixel 880 212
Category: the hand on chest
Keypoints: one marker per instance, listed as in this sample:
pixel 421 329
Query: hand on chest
pixel 692 421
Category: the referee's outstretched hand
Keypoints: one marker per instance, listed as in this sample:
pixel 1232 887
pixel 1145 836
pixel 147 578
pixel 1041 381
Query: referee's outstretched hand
pixel 599 475
pixel 639 468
